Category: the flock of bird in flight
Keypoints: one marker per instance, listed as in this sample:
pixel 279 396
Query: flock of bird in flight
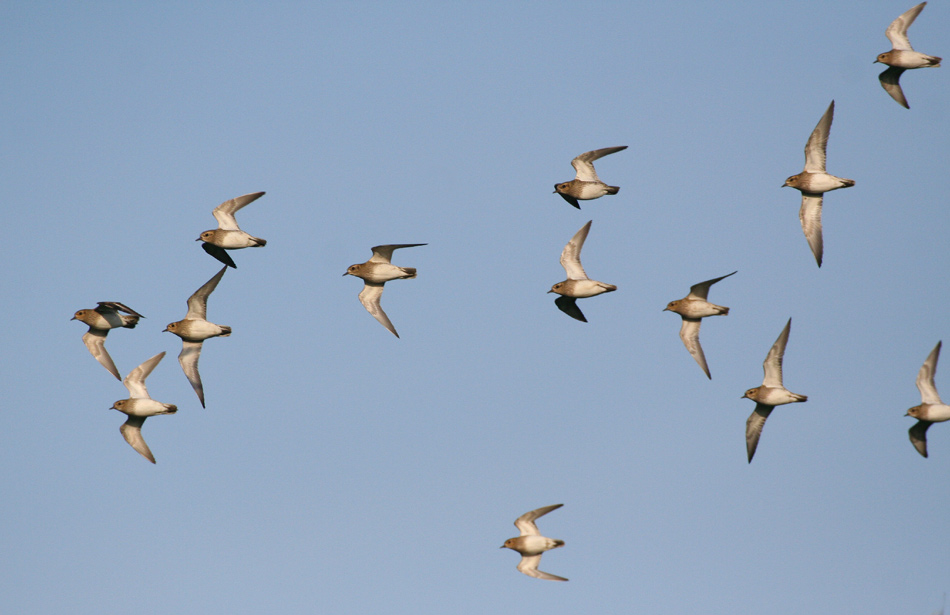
pixel 812 182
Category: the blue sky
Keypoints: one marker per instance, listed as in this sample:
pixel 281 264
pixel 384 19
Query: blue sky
pixel 338 469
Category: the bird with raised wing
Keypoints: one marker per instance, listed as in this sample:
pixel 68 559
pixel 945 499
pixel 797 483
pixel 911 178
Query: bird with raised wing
pixel 100 319
pixel 902 56
pixel 139 406
pixel 577 285
pixel 375 273
pixel 772 392
pixel 813 182
pixel 228 235
pixel 194 329
pixel 586 185
pixel 693 308
pixel 931 410
pixel 531 544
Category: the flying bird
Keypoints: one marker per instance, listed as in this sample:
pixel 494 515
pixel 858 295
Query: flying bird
pixel 100 319
pixel 772 393
pixel 193 330
pixel 577 285
pixel 813 182
pixel 531 544
pixel 902 56
pixel 586 185
pixel 375 273
pixel 693 308
pixel 228 235
pixel 931 410
pixel 140 406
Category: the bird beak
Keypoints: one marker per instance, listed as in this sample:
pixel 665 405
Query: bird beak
pixel 199 239
pixel 165 329
pixel 73 318
pixel 346 273
pixel 549 292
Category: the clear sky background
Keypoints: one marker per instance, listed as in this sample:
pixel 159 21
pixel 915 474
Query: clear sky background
pixel 338 469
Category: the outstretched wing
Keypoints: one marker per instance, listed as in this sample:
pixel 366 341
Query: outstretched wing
pixel 135 381
pixel 773 361
pixel 689 333
pixel 132 432
pixel 369 297
pixel 384 254
pixel 753 427
pixel 810 217
pixel 568 305
pixel 198 301
pixel 224 213
pixel 701 290
pixel 188 359
pixel 571 254
pixel 897 31
pixel 584 164
pixel 219 253
pixel 525 523
pixel 918 436
pixel 890 81
pixel 529 566
pixel 925 377
pixel 106 307
pixel 95 341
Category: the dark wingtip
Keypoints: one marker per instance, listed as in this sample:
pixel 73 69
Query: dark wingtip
pixel 220 254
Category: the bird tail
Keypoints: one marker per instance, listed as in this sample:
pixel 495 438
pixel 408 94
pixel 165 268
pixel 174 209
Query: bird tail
pixel 409 271
pixel 613 189
pixel 129 322
pixel 225 331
